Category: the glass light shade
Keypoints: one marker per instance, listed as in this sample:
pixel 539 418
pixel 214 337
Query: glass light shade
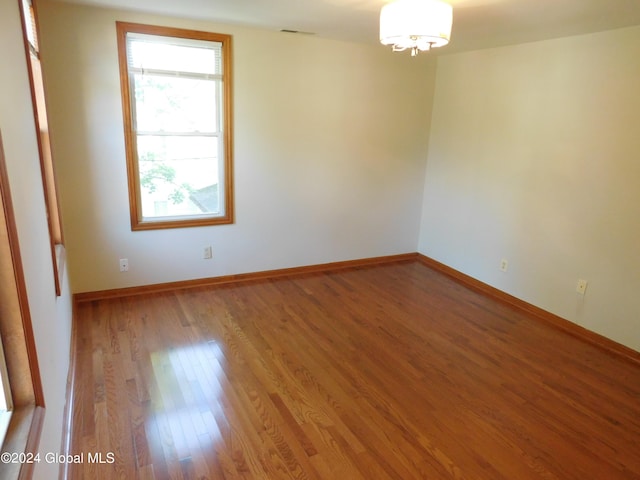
pixel 416 24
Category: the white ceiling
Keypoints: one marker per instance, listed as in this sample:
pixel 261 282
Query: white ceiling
pixel 476 23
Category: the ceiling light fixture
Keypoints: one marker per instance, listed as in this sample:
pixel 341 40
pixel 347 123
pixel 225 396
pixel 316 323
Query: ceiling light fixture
pixel 417 25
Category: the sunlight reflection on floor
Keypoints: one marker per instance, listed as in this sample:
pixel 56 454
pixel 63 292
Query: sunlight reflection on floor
pixel 187 399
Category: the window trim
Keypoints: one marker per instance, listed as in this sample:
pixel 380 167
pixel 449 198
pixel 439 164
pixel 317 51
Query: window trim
pixel 135 210
pixel 25 426
pixel 47 170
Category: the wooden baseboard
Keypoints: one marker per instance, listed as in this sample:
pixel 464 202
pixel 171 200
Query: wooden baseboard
pixel 567 326
pixel 243 277
pixel 556 321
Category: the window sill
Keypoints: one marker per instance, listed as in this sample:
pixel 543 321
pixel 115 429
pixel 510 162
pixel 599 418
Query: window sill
pixel 61 256
pixel 21 441
pixel 5 418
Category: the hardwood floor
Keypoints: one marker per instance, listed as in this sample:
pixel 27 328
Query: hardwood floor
pixel 386 372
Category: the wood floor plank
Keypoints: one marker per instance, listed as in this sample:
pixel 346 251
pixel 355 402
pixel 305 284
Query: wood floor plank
pixel 381 372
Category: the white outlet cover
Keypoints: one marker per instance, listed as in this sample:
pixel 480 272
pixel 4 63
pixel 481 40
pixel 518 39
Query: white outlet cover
pixel 124 265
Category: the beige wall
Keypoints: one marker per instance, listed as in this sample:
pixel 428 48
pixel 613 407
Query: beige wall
pixel 50 315
pixel 534 157
pixel 329 153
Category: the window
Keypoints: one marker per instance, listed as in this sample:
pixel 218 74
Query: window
pixel 20 375
pixel 6 402
pixel 30 33
pixel 176 98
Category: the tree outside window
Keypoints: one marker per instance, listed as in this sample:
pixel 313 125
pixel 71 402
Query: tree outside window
pixel 176 99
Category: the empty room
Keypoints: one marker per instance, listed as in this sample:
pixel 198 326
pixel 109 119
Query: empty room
pixel 320 239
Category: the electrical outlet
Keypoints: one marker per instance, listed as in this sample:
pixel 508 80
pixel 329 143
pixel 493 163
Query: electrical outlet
pixel 504 265
pixel 124 264
pixel 207 253
pixel 581 286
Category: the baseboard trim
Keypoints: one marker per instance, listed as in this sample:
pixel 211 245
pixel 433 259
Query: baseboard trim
pixel 549 318
pixel 242 277
pixel 67 421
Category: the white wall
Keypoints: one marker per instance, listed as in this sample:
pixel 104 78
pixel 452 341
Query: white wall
pixel 533 157
pixel 329 153
pixel 51 316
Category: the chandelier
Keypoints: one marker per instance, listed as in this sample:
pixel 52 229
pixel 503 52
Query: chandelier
pixel 416 25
